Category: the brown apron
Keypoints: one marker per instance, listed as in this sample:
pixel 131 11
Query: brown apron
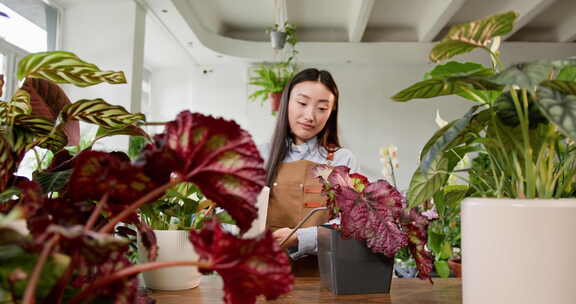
pixel 295 193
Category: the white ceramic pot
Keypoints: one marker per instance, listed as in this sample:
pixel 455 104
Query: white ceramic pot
pixel 173 245
pixel 518 251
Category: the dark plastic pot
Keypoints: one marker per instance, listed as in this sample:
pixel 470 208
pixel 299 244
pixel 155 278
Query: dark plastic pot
pixel 349 267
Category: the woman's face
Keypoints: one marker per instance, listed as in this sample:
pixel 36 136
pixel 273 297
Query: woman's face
pixel 309 108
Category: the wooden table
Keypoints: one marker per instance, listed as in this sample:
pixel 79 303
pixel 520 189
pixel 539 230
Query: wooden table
pixel 308 290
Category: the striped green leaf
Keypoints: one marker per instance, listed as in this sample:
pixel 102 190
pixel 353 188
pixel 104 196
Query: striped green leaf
pixel 469 36
pixel 566 87
pixel 31 130
pixel 441 87
pixel 129 130
pixel 98 112
pixel 19 105
pixel 8 163
pixel 53 181
pixel 65 67
pixel 559 108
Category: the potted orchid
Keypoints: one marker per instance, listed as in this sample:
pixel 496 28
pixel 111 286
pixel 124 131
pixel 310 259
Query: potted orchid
pixel 71 252
pixel 519 132
pixel 372 214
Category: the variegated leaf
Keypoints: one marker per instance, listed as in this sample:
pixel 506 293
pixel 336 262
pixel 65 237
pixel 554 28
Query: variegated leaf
pixel 559 108
pixel 469 36
pixel 47 100
pixel 129 130
pixel 1 84
pixel 98 112
pixel 65 67
pixel 441 87
pixel 41 131
pixel 19 105
pixel 219 157
pixel 525 75
pixel 424 185
pixel 8 163
pixel 566 87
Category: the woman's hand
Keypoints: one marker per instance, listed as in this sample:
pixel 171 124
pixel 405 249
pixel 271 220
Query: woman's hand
pixel 280 234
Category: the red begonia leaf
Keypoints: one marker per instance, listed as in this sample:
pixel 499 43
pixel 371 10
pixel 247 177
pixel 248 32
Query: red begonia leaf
pixel 62 160
pixel 123 291
pixel 95 248
pixel 249 267
pixel 96 173
pixel 417 229
pixel 221 159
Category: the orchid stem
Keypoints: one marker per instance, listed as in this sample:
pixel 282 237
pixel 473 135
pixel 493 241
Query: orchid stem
pixel 130 271
pixel 29 294
pixel 139 203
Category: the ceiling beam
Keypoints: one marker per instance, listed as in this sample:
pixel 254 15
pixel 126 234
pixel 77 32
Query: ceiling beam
pixel 436 21
pixel 566 31
pixel 527 12
pixel 359 15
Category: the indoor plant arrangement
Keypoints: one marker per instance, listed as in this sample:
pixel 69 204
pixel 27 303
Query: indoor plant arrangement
pixel 271 78
pixel 279 35
pixel 373 213
pixel 70 254
pixel 520 133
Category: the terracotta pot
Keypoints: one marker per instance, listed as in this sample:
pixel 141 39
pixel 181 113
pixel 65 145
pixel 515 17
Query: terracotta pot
pixel 275 101
pixel 455 267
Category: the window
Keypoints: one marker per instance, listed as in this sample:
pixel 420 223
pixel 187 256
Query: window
pixel 32 26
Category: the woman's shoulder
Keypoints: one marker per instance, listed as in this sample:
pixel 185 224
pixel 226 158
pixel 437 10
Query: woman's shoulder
pixel 345 157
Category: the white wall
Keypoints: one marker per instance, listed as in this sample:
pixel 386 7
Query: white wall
pixel 368 119
pixel 118 47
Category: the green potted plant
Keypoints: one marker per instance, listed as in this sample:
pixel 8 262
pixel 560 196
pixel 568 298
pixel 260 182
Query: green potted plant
pixel 271 79
pixel 374 227
pixel 280 35
pixel 519 133
pixel 72 252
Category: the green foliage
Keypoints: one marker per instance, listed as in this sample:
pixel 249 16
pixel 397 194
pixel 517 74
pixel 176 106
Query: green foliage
pixel 183 207
pixel 523 132
pixel 270 78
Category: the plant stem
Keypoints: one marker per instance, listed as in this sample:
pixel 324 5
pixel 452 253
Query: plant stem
pixel 96 212
pixel 132 208
pixel 29 294
pixel 130 271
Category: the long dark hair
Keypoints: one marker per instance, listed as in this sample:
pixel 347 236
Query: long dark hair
pixel 327 138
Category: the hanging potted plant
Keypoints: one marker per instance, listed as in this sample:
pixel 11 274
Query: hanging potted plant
pixel 280 35
pixel 520 133
pixel 271 78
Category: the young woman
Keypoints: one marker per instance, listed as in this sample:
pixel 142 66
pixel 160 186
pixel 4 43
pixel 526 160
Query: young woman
pixel 306 134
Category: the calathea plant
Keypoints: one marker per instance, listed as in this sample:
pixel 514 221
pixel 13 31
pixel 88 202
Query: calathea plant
pixel 374 212
pixel 70 254
pixel 520 129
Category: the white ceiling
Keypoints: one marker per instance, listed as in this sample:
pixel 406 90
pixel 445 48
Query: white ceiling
pixel 213 30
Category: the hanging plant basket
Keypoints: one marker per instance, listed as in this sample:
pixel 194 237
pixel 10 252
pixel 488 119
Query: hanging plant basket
pixel 278 39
